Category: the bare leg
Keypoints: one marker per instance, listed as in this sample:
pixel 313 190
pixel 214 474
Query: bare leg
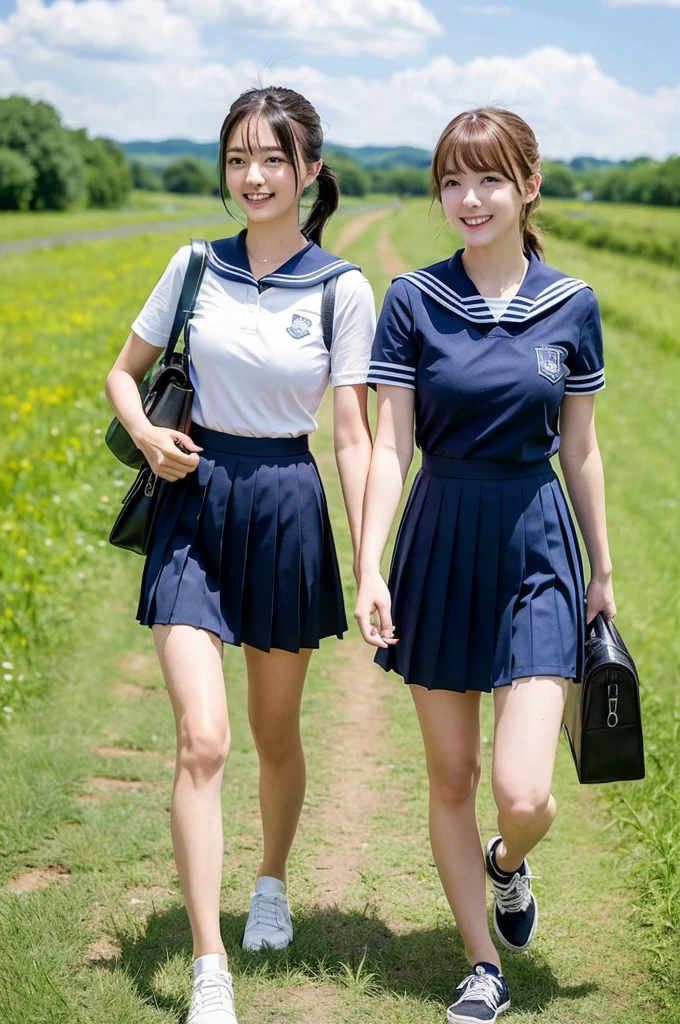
pixel 275 684
pixel 191 660
pixel 528 722
pixel 449 723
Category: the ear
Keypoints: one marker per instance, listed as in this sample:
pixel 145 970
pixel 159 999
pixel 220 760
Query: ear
pixel 532 187
pixel 313 172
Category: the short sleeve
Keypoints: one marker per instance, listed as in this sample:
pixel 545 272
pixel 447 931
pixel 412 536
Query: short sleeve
pixel 154 323
pixel 353 329
pixel 586 368
pixel 394 355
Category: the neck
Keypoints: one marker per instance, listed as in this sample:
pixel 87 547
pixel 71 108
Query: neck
pixel 276 241
pixel 496 270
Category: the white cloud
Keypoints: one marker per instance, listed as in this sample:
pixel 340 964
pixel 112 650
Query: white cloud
pixel 388 28
pixel 572 104
pixel 124 29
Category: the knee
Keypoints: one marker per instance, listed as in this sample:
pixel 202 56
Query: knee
pixel 203 749
pixel 454 786
pixel 523 810
pixel 274 743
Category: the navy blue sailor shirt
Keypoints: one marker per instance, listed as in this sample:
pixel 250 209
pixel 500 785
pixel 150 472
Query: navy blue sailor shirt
pixel 488 388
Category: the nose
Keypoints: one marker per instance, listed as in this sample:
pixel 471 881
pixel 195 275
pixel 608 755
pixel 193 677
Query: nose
pixel 471 198
pixel 254 175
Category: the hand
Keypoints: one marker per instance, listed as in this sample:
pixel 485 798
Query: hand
pixel 600 598
pixel 167 461
pixel 374 597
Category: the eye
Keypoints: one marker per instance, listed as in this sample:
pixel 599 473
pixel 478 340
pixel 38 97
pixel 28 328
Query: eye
pixel 449 181
pixel 274 160
pixel 234 161
pixel 491 177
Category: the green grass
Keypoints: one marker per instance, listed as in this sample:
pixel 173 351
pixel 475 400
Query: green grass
pixel 142 208
pixel 389 951
pixel 645 231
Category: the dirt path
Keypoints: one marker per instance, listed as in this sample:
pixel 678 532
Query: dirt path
pixel 345 814
pixel 389 261
pixel 353 231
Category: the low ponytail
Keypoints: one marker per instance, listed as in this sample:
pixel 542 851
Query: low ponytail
pixel 532 236
pixel 325 204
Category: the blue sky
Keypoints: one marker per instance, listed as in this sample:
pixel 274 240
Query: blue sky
pixel 601 77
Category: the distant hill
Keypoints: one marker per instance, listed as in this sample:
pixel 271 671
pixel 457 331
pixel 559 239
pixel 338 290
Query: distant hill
pixel 159 154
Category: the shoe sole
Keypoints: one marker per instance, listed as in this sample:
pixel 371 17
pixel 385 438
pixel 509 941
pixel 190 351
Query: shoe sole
pixel 264 946
pixel 458 1018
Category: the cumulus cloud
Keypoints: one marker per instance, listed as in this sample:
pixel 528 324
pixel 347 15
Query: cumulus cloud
pixel 572 104
pixel 388 28
pixel 642 3
pixel 123 30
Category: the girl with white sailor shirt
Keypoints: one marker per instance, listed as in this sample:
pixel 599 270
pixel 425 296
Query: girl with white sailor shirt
pixel 497 357
pixel 242 550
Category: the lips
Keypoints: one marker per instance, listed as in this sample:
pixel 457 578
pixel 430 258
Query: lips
pixel 257 198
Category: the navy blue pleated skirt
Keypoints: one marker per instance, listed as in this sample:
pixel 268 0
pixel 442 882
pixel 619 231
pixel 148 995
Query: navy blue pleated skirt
pixel 486 579
pixel 243 547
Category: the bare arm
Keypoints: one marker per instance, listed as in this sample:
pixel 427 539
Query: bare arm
pixel 392 455
pixel 352 440
pixel 156 443
pixel 581 464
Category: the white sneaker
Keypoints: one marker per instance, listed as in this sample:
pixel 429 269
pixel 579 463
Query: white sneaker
pixel 269 922
pixel 212 998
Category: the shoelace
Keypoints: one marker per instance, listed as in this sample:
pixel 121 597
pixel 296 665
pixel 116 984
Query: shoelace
pixel 481 988
pixel 211 992
pixel 516 895
pixel 265 908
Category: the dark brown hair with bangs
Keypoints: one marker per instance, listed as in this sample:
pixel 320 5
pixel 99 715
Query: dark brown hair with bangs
pixel 293 120
pixel 492 139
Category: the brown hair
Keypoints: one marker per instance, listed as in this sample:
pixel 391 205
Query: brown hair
pixel 293 120
pixel 489 138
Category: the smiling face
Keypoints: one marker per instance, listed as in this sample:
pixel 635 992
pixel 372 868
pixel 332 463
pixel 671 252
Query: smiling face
pixel 260 176
pixel 483 206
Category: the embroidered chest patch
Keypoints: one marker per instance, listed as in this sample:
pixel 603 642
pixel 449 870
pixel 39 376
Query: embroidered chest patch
pixel 551 362
pixel 299 326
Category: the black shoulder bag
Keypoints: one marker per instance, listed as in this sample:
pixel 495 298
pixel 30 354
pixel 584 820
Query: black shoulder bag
pixel 167 394
pixel 602 717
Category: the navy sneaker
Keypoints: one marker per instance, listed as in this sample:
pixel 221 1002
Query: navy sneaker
pixel 483 995
pixel 515 913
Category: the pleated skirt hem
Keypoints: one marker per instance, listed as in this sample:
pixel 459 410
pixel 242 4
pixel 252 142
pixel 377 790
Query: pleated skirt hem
pixel 243 548
pixel 486 578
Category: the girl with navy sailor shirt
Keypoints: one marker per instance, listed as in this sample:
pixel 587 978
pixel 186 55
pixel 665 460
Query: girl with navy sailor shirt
pixel 242 550
pixel 496 357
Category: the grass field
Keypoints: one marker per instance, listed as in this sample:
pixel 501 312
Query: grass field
pixel 92 929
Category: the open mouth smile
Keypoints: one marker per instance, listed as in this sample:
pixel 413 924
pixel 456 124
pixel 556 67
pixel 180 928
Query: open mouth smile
pixel 475 222
pixel 257 197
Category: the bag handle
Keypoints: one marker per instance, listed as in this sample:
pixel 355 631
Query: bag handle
pixel 328 310
pixel 188 296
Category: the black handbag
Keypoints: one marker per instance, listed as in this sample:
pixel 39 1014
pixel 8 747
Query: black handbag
pixel 167 391
pixel 168 398
pixel 602 717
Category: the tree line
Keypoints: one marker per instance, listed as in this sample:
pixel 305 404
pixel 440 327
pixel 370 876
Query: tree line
pixel 46 166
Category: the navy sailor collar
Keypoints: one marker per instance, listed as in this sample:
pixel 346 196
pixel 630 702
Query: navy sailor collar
pixel 308 267
pixel 449 285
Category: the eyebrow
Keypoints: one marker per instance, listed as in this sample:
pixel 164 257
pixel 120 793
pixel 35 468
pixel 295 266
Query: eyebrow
pixel 264 149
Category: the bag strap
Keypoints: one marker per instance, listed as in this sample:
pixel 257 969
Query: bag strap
pixel 328 310
pixel 188 295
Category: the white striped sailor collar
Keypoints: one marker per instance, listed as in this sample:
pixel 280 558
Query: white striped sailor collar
pixel 449 285
pixel 310 266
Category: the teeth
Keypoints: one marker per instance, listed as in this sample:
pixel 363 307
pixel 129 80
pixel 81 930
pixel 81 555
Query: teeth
pixel 259 197
pixel 472 221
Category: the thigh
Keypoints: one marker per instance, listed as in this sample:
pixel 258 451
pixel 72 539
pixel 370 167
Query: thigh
pixel 449 723
pixel 191 660
pixel 275 684
pixel 528 722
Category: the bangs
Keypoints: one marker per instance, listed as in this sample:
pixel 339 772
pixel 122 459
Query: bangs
pixel 473 145
pixel 281 127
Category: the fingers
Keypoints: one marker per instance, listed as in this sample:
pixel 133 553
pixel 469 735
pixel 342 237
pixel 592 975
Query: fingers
pixel 186 441
pixel 376 636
